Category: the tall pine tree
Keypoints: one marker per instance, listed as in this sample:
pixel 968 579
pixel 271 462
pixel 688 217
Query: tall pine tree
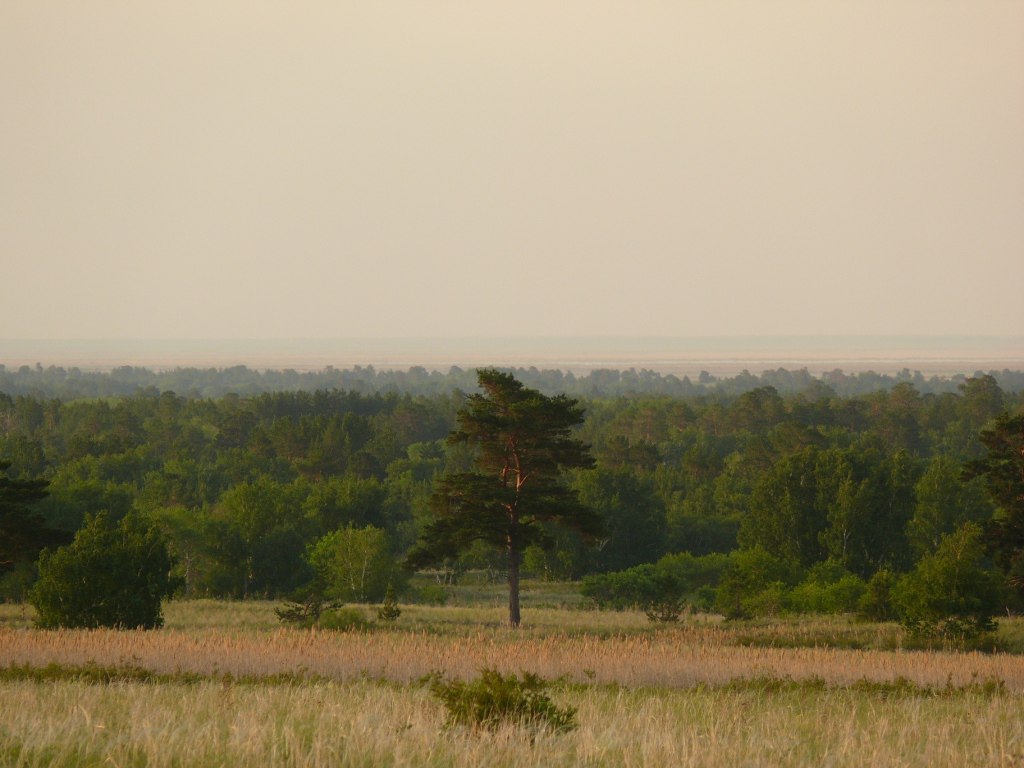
pixel 523 442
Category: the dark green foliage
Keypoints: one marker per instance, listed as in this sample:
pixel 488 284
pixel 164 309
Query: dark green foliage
pixel 23 531
pixel 953 594
pixel 92 673
pixel 126 381
pixel 305 612
pixel 632 515
pixel 523 442
pixel 876 602
pixel 1003 470
pixel 702 534
pixel 849 504
pixel 389 610
pixel 899 687
pixel 242 485
pixel 313 612
pixel 631 588
pixel 17 583
pixel 258 521
pixel 655 591
pixel 755 584
pixel 349 619
pixel 828 588
pixel 431 594
pixel 665 609
pixel 109 576
pixel 663 589
pixel 786 517
pixel 944 502
pixel 494 700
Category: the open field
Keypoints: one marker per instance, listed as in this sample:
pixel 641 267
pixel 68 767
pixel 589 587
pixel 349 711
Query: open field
pixel 224 684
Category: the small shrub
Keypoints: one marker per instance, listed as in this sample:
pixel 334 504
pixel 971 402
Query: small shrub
pixel 621 590
pixel 432 594
pixel 343 620
pixel 494 700
pixel 315 612
pixel 16 584
pixel 827 590
pixel 770 601
pixel 876 602
pixel 389 610
pixel 305 612
pixel 665 610
pixel 755 584
pixel 704 598
pixel 663 588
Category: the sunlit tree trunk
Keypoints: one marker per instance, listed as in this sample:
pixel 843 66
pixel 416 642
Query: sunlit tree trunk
pixel 513 585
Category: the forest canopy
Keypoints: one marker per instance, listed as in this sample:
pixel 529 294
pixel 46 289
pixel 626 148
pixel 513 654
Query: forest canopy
pixel 74 383
pixel 246 487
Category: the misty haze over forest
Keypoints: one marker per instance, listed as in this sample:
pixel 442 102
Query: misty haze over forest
pixel 680 356
pixel 587 367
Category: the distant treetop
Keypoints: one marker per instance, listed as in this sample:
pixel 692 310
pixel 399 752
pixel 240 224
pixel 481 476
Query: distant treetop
pixel 73 383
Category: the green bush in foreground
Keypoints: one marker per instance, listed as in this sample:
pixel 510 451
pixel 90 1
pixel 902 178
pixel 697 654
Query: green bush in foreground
pixel 494 700
pixel 109 576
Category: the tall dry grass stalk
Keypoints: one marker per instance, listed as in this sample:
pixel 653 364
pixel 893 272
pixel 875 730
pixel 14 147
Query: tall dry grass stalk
pixel 677 658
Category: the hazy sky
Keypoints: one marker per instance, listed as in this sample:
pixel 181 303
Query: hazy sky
pixel 232 168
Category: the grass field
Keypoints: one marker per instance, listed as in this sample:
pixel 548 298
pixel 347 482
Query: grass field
pixel 225 684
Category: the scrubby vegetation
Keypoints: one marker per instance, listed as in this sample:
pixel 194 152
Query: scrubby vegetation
pixel 494 700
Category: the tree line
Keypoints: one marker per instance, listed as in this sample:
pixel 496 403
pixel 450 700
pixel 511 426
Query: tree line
pixel 266 494
pixel 211 383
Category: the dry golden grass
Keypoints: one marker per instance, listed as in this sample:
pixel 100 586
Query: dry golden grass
pixel 673 658
pixel 371 724
pixel 645 697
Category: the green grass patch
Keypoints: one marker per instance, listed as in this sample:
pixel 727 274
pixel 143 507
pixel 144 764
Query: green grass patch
pixel 899 687
pixel 97 674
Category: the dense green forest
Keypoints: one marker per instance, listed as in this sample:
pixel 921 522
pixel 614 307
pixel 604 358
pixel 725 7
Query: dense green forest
pixel 259 493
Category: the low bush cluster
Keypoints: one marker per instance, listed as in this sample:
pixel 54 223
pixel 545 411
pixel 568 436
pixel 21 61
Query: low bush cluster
pixel 317 614
pixel 664 590
pixel 952 595
pixel 494 700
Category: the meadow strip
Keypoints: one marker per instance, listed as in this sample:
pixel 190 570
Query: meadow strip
pixel 673 658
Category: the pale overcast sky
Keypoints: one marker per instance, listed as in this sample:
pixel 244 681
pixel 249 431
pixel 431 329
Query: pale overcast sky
pixel 247 169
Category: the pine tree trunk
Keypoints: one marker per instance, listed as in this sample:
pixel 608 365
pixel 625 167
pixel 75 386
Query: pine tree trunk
pixel 513 586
